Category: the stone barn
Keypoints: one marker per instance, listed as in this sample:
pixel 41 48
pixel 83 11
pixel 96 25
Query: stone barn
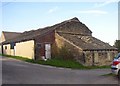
pixel 71 34
pixel 86 49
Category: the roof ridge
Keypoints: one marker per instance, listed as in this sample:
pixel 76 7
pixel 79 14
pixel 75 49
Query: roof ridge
pixel 10 32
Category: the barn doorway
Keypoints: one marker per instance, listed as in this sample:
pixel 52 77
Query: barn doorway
pixel 48 51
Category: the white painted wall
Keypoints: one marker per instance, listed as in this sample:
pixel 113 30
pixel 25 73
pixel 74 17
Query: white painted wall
pixel 25 49
pixel 6 51
pixel 12 52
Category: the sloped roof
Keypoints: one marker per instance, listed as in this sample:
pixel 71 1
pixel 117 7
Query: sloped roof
pixel 10 35
pixel 87 42
pixel 72 30
pixel 65 25
pixel 29 35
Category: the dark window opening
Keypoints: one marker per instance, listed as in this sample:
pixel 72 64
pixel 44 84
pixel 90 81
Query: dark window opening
pixel 39 45
pixel 12 45
pixel 102 54
pixel 5 47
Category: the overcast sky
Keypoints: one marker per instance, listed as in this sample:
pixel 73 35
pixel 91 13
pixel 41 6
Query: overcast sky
pixel 100 17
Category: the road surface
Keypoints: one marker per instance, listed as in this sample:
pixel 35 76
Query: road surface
pixel 19 72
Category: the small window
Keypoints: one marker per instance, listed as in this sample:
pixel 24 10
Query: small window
pixel 102 54
pixel 39 45
pixel 12 45
pixel 5 47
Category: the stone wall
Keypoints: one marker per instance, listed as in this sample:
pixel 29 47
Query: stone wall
pixel 76 51
pixel 88 58
pixel 99 58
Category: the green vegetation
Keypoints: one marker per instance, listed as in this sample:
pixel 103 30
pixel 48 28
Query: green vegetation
pixel 65 53
pixel 62 53
pixel 117 45
pixel 57 62
pixel 109 74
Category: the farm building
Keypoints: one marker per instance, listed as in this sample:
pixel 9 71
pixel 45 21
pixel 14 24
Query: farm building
pixel 34 44
pixel 5 35
pixel 71 34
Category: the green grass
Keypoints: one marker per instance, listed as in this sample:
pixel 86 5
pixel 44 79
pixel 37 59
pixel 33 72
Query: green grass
pixel 109 74
pixel 57 62
pixel 99 67
pixel 63 63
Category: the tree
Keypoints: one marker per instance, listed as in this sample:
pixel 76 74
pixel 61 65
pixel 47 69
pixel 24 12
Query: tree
pixel 117 45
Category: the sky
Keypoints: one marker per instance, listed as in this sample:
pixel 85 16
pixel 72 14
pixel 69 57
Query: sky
pixel 100 17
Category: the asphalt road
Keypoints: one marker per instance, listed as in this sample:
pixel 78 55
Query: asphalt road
pixel 19 72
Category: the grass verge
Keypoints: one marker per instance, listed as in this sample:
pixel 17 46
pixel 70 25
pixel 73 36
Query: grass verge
pixel 109 74
pixel 58 63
